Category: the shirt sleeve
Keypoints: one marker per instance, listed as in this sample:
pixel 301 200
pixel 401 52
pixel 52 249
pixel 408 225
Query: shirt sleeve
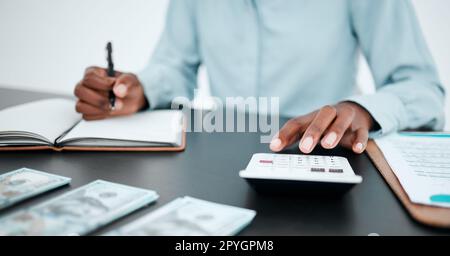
pixel 409 94
pixel 172 70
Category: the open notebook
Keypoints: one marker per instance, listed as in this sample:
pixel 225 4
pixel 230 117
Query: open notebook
pixel 53 123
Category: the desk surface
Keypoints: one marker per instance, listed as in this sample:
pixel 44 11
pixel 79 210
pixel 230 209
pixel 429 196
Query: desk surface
pixel 208 169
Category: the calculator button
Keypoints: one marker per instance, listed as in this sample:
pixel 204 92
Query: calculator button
pixel 318 169
pixel 336 170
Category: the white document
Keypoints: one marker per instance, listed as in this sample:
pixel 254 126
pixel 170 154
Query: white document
pixel 421 162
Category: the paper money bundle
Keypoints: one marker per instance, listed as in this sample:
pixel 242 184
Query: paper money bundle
pixel 78 212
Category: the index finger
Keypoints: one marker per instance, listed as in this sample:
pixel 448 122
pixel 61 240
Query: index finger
pixel 316 129
pixel 96 79
pixel 290 132
pixel 96 70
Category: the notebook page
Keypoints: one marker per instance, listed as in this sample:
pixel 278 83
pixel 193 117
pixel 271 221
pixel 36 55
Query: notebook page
pixel 48 118
pixel 160 126
pixel 421 162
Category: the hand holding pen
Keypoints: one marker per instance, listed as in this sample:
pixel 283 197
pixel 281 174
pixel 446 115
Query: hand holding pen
pixel 104 93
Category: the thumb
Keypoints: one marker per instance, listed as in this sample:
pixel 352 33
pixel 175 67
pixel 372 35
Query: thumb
pixel 123 85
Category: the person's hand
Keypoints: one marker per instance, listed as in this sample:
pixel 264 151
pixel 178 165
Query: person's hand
pixel 93 90
pixel 346 124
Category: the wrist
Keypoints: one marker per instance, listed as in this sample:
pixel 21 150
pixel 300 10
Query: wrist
pixel 362 115
pixel 145 105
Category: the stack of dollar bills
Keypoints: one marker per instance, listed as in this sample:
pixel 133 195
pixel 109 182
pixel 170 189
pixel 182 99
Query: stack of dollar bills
pixel 77 212
pixel 86 209
pixel 188 216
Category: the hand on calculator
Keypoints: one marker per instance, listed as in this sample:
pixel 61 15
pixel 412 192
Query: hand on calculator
pixel 346 124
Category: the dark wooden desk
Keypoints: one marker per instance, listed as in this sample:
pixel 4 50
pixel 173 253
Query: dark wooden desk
pixel 208 169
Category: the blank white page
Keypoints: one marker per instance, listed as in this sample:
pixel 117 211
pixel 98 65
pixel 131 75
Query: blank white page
pixel 160 126
pixel 48 118
pixel 421 162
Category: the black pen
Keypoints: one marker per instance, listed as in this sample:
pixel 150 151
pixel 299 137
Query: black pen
pixel 111 73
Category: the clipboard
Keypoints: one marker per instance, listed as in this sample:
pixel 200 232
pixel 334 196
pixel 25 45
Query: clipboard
pixel 428 215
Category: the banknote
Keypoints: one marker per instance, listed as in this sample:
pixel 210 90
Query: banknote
pixel 189 216
pixel 78 212
pixel 24 183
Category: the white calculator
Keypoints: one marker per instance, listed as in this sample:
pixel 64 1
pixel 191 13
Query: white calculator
pixel 291 173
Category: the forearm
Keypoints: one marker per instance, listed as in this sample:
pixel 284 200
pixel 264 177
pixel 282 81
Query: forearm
pixel 405 105
pixel 163 83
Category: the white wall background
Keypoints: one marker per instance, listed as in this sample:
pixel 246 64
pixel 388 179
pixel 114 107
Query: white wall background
pixel 45 45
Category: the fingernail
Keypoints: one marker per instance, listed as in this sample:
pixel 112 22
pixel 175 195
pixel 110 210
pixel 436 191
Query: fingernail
pixel 359 147
pixel 118 105
pixel 275 144
pixel 120 90
pixel 330 139
pixel 306 144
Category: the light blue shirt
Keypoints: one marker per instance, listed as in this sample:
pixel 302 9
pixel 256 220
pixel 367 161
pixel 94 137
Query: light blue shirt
pixel 302 51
